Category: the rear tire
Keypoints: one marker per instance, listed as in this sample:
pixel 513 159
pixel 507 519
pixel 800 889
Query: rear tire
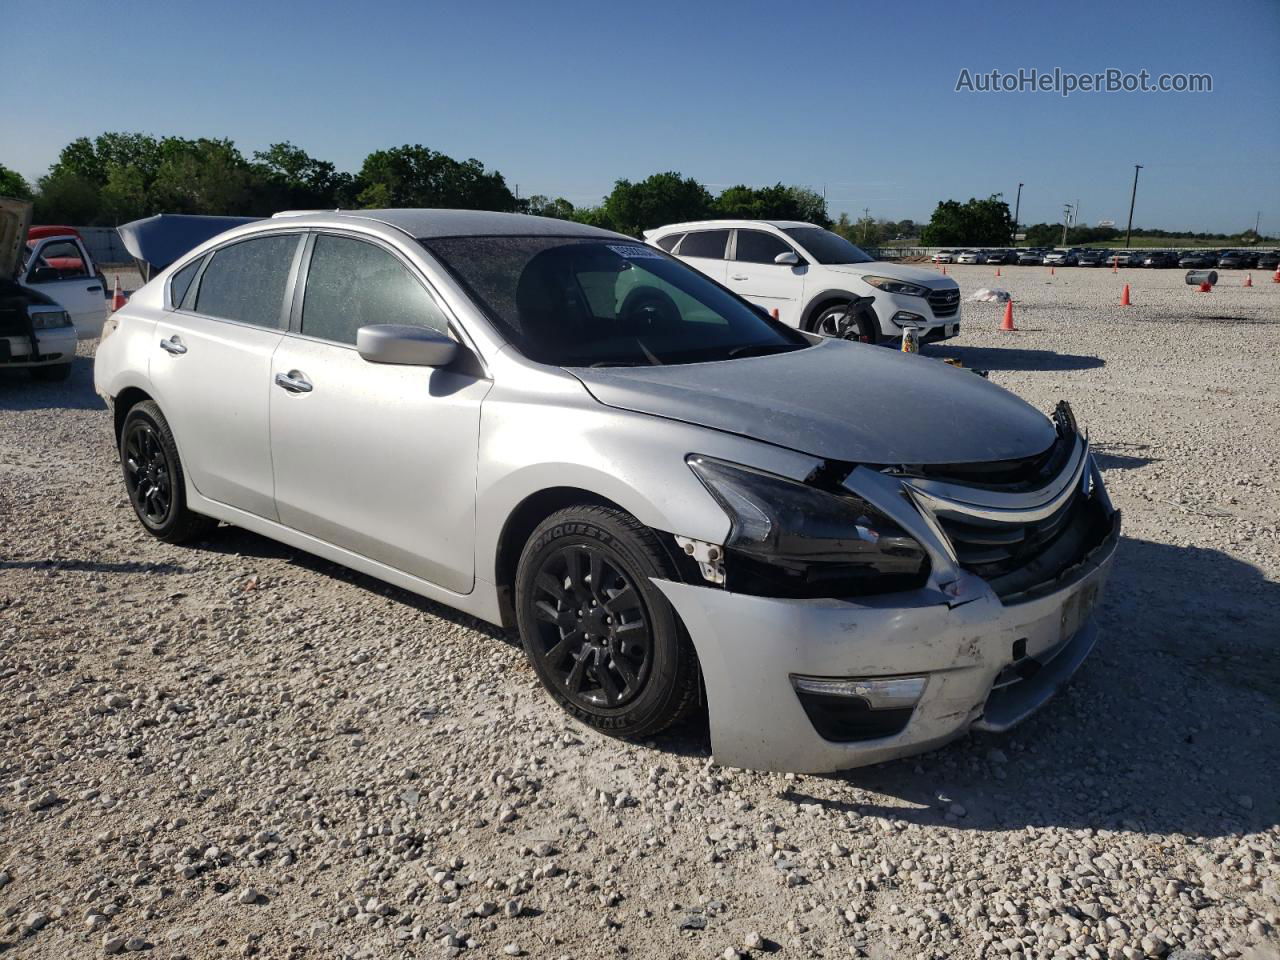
pixel 154 478
pixel 52 373
pixel 603 640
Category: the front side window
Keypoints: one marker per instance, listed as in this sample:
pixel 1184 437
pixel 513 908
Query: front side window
pixel 64 257
pixel 352 284
pixel 705 243
pixel 827 247
pixel 246 281
pixel 756 246
pixel 574 301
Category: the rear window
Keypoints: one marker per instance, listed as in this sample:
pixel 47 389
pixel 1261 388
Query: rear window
pixel 245 282
pixel 705 243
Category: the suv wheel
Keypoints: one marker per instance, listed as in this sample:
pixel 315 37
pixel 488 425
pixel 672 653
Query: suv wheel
pixel 154 479
pixel 863 326
pixel 601 637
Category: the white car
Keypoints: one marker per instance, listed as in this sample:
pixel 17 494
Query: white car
pixel 944 256
pixel 809 276
pixel 970 256
pixel 35 331
pixel 59 267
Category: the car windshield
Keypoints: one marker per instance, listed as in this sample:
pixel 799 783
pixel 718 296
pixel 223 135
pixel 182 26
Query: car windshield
pixel 827 247
pixel 576 302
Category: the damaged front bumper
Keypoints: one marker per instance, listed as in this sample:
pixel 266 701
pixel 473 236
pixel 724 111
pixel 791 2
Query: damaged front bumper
pixel 984 664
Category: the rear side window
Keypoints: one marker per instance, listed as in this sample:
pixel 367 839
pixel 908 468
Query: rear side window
pixel 705 243
pixel 245 282
pixel 756 246
pixel 668 243
pixel 352 284
pixel 180 282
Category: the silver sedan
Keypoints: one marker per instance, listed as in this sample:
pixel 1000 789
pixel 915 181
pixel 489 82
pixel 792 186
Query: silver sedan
pixel 676 501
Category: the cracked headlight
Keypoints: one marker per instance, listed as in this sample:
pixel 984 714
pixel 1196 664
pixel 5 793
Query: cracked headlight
pixel 50 319
pixel 889 285
pixel 793 539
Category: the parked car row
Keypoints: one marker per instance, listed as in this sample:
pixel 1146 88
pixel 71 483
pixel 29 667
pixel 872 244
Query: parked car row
pixel 1101 257
pixel 673 498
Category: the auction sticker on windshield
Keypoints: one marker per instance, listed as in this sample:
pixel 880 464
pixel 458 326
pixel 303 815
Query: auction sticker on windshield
pixel 634 252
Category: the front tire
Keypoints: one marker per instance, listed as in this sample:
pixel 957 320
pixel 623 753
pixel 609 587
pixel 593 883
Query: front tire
pixel 603 640
pixel 154 479
pixel 827 323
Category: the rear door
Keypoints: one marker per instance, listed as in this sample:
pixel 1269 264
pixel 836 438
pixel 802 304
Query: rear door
pixel 60 268
pixel 754 275
pixel 377 458
pixel 211 365
pixel 705 250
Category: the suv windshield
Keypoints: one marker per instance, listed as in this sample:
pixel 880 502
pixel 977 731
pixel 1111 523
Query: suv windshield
pixel 825 246
pixel 577 302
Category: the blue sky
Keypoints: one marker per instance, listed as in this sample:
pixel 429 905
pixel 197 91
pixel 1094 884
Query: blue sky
pixel 564 97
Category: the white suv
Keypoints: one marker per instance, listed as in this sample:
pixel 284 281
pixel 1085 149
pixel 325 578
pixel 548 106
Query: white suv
pixel 809 275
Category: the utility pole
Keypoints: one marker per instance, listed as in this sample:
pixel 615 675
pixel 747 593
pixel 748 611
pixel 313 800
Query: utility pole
pixel 866 223
pixel 1017 208
pixel 1066 220
pixel 1257 222
pixel 1133 197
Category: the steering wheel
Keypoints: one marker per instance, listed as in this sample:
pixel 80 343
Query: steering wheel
pixel 648 308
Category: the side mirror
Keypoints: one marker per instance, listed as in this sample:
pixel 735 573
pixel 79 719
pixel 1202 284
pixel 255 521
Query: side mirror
pixel 788 258
pixel 44 275
pixel 405 345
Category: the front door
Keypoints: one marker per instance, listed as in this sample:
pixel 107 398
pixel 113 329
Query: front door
pixel 754 274
pixel 60 268
pixel 376 458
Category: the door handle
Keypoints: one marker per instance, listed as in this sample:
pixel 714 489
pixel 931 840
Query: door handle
pixel 294 382
pixel 738 276
pixel 174 345
pixel 93 289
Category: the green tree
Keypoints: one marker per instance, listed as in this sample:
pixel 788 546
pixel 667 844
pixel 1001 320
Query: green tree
pixel 202 176
pixel 979 222
pixel 414 176
pixel 659 199
pixel 287 177
pixel 777 202
pixel 540 206
pixel 13 184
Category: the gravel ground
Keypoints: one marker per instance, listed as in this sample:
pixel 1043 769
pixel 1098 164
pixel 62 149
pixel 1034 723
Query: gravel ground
pixel 238 749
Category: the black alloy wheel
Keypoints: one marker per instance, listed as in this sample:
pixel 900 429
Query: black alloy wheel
pixel 592 630
pixel 147 474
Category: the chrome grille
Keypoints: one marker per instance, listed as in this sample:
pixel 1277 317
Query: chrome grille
pixel 944 303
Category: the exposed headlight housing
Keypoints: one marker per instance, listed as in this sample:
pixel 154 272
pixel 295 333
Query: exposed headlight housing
pixel 788 538
pixel 49 319
pixel 890 285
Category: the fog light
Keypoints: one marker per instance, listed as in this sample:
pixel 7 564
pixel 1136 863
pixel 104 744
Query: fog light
pixel 904 319
pixel 844 710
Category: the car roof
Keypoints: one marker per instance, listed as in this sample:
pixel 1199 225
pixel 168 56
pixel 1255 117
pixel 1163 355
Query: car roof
pixel 726 225
pixel 427 224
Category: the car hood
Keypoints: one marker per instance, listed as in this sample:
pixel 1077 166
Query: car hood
pixel 895 271
pixel 837 400
pixel 15 221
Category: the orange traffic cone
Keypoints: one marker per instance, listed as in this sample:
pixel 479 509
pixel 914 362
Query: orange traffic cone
pixel 1115 264
pixel 117 298
pixel 997 271
pixel 1124 297
pixel 1248 279
pixel 774 313
pixel 1276 278
pixel 1007 324
pixel 1053 272
pixel 944 270
pixel 1205 287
